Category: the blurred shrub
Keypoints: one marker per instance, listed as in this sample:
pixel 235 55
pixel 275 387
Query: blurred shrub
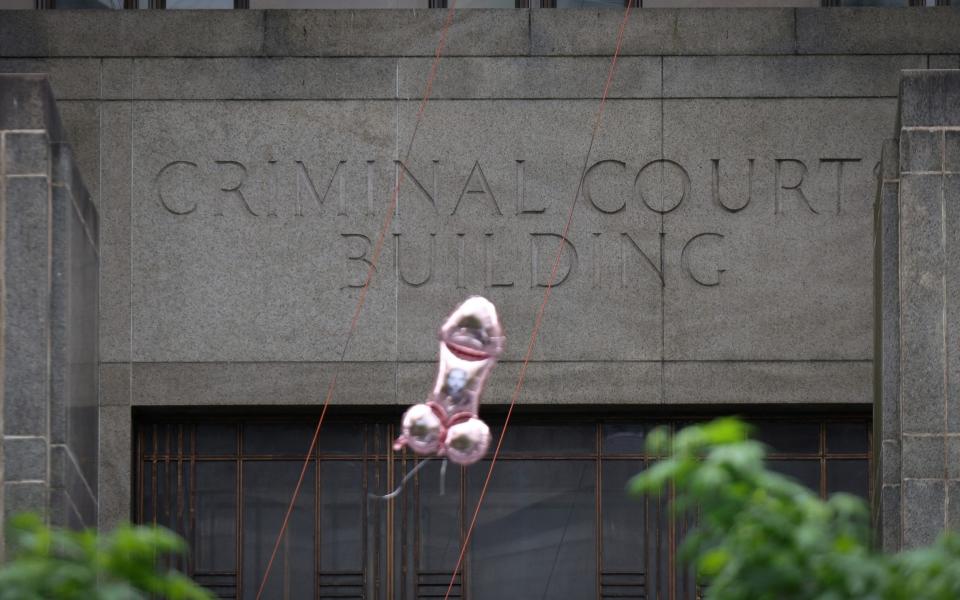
pixel 760 535
pixel 54 564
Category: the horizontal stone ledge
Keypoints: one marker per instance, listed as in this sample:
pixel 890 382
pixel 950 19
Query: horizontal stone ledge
pixel 477 32
pixel 546 383
pixel 785 76
pixel 532 77
pixel 877 30
pixel 516 77
pixel 931 98
pixel 779 382
pixel 663 31
pixel 70 78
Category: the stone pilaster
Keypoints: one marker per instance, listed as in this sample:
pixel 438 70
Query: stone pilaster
pixel 918 305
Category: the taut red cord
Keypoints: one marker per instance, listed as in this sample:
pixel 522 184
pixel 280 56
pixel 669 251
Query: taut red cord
pixel 543 305
pixel 361 299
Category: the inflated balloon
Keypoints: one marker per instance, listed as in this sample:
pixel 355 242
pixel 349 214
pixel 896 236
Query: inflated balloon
pixel 471 340
pixel 467 441
pixel 423 429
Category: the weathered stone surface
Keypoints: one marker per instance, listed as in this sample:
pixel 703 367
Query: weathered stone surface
pixel 264 78
pixel 953 457
pixel 876 30
pixel 921 150
pixel 930 98
pixel 887 294
pixel 737 286
pixel 62 209
pixel 951 151
pixel 890 462
pixel 951 208
pixel 23 497
pixel 26 153
pixel 235 257
pixel 784 76
pixel 116 79
pixel 922 325
pixel 71 79
pixel 924 503
pixel 71 497
pixel 924 456
pixel 130 33
pixel 890 518
pixel 943 61
pixel 530 77
pixel 394 33
pixel 478 32
pixel 115 238
pixel 25 458
pixel 709 31
pixel 116 451
pixel 252 384
pixel 26 305
pixel 953 505
pixel 115 384
pixel 759 382
pixel 492 242
pixel 81 121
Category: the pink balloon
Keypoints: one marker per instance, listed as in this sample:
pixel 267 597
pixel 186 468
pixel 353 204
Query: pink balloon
pixel 472 331
pixel 471 340
pixel 422 429
pixel 467 442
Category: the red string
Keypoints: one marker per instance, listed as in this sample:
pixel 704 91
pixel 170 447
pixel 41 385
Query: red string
pixel 361 300
pixel 543 305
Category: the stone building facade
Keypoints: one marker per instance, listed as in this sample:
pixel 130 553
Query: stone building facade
pixel 721 260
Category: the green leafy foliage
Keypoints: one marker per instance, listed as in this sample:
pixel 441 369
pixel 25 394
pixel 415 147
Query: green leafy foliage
pixel 53 564
pixel 760 535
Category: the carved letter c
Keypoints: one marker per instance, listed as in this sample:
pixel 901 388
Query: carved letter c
pixel 159 183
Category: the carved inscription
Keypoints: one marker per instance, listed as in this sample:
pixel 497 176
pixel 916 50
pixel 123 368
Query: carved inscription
pixel 494 237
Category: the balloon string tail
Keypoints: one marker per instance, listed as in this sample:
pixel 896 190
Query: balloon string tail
pixel 403 482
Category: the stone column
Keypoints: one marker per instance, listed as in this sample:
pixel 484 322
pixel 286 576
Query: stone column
pixel 49 276
pixel 918 311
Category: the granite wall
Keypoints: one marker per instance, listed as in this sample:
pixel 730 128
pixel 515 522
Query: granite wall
pixel 918 256
pixel 242 160
pixel 50 279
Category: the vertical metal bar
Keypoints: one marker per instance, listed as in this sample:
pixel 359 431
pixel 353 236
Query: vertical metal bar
pixel 317 532
pixel 598 505
pixel 647 555
pixel 466 570
pixel 390 514
pixel 180 497
pixel 240 507
pixel 376 523
pixel 823 460
pixel 404 542
pixel 141 467
pixel 153 474
pixel 364 529
pixel 672 545
pixel 169 511
pixel 870 463
pixel 192 499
